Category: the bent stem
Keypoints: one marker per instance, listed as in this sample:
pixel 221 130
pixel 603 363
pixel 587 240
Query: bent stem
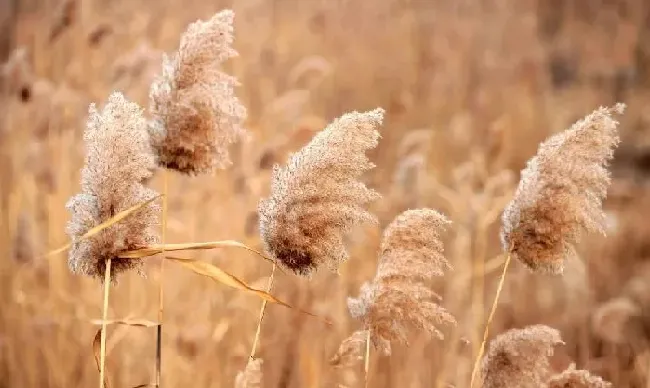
pixel 479 356
pixel 158 367
pixel 102 352
pixel 262 310
pixel 366 366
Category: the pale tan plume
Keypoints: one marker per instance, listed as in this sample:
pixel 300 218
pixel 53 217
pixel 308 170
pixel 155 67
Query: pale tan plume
pixel 196 114
pixel 518 358
pixel 119 161
pixel 576 378
pixel 251 377
pixel 561 192
pixel 399 298
pixel 316 198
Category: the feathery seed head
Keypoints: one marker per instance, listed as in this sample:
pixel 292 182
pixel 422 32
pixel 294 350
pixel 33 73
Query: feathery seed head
pixel 616 321
pixel 398 298
pixel 351 350
pixel 575 378
pixel 118 161
pixel 561 192
pixel 316 198
pixel 519 357
pixel 196 113
pixel 251 377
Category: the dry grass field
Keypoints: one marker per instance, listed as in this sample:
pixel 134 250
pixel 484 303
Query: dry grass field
pixel 470 88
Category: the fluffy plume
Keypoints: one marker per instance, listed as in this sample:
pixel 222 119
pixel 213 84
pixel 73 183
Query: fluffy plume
pixel 196 113
pixel 574 378
pixel 518 358
pixel 351 349
pixel 616 321
pixel 317 197
pixel 251 377
pixel 398 297
pixel 118 161
pixel 561 192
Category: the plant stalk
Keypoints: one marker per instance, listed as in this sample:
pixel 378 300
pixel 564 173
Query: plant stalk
pixel 158 368
pixel 366 366
pixel 486 333
pixel 102 352
pixel 261 318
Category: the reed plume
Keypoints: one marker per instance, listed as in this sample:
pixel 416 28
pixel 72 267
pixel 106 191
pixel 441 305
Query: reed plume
pixel 518 358
pixel 196 114
pixel 398 298
pixel 350 350
pixel 618 321
pixel 251 377
pixel 561 193
pixel 575 378
pixel 316 198
pixel 119 161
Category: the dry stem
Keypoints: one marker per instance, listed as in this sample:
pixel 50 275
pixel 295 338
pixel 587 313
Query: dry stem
pixel 262 310
pixel 366 365
pixel 490 317
pixel 158 367
pixel 102 354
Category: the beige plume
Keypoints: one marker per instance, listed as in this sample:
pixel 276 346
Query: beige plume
pixel 317 197
pixel 119 161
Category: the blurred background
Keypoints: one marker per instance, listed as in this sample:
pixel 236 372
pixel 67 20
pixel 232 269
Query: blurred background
pixel 470 89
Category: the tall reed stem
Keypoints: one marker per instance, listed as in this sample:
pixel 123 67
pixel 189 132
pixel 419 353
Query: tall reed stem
pixel 158 368
pixel 366 365
pixel 261 318
pixel 486 332
pixel 102 351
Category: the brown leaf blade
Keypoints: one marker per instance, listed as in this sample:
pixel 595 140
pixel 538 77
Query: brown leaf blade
pixel 217 274
pixel 127 322
pixel 97 351
pixel 159 248
pixel 111 221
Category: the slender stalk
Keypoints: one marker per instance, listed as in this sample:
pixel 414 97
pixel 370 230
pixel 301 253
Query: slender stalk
pixel 158 368
pixel 366 365
pixel 490 317
pixel 262 310
pixel 478 285
pixel 102 352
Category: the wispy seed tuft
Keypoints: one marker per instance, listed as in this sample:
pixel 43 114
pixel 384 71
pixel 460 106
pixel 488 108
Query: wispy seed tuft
pixel 196 113
pixel 561 193
pixel 519 358
pixel 118 162
pixel 316 198
pixel 575 378
pixel 399 298
pixel 251 377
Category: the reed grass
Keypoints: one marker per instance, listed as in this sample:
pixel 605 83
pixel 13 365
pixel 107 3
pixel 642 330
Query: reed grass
pixel 300 66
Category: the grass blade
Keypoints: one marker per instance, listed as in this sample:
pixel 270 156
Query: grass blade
pixel 127 322
pixel 97 352
pixel 223 277
pixel 159 248
pixel 111 221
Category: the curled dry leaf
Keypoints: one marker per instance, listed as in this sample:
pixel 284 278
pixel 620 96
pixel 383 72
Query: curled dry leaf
pixel 127 322
pixel 217 274
pixel 97 352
